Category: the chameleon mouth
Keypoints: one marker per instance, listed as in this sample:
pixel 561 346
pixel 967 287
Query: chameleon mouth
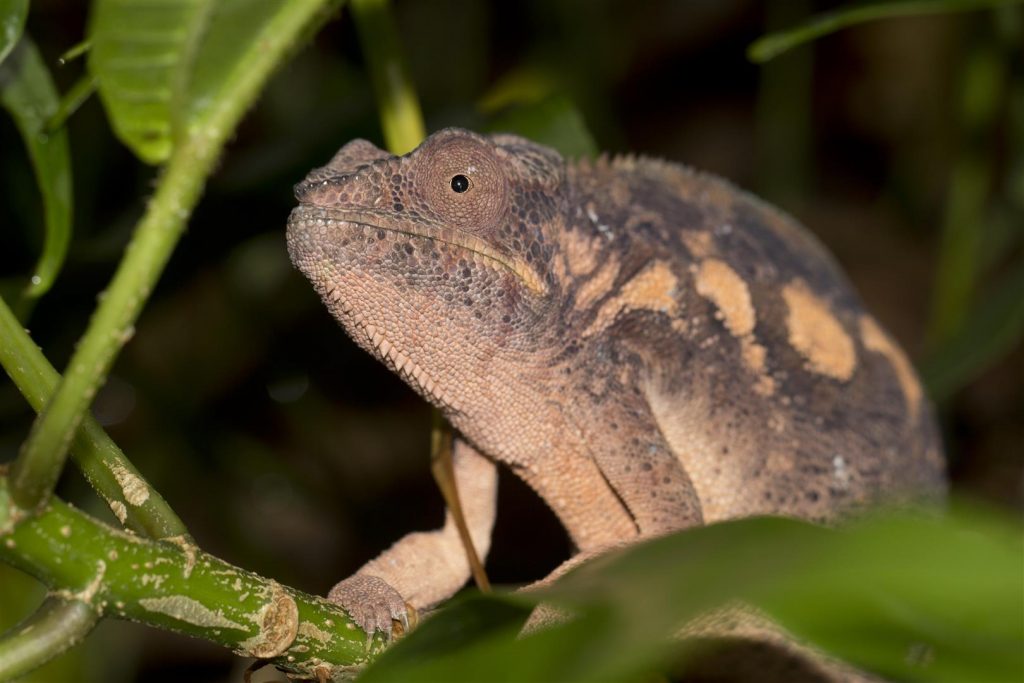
pixel 321 217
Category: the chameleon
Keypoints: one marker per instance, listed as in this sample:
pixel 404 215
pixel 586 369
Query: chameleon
pixel 647 346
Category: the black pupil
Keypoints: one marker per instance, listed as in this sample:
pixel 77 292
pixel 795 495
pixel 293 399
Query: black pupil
pixel 460 183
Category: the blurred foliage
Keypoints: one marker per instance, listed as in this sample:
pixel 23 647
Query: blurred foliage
pixel 895 595
pixel 289 452
pixel 12 23
pixel 27 92
pixel 772 45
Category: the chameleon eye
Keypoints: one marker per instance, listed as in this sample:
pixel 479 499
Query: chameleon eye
pixel 460 183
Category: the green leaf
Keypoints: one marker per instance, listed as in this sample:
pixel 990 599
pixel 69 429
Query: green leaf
pixel 529 84
pixel 774 44
pixel 12 23
pixel 907 597
pixel 142 52
pixel 554 122
pixel 163 67
pixel 28 93
pixel 994 326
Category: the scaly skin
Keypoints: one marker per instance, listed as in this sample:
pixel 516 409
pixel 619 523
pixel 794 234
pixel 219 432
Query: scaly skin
pixel 649 348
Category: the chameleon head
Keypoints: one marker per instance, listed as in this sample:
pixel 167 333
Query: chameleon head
pixel 436 262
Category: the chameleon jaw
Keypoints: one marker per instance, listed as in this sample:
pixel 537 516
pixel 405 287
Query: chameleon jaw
pixel 374 340
pixel 324 217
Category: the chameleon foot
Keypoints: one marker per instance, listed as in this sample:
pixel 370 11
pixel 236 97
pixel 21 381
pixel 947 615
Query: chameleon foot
pixel 373 604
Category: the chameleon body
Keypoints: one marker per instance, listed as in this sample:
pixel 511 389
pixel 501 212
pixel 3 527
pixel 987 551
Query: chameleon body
pixel 647 346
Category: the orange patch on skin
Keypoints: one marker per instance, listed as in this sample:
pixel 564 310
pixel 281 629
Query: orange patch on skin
pixel 727 290
pixel 754 356
pixel 699 243
pixel 581 254
pixel 653 289
pixel 597 285
pixel 816 334
pixel 875 339
pixel 720 284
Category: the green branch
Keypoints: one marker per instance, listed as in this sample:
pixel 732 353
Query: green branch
pixel 56 626
pixel 43 454
pixel 774 44
pixel 176 586
pixel 400 114
pixel 132 500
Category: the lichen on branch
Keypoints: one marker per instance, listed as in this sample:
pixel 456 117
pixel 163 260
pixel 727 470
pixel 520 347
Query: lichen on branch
pixel 173 585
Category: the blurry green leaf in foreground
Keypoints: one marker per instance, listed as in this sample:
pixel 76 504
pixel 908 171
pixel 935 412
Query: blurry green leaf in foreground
pixel 141 54
pixel 907 597
pixel 774 44
pixel 12 23
pixel 28 93
pixel 554 122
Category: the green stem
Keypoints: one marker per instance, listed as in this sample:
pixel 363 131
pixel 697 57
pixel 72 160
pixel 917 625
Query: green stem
pixel 42 456
pixel 55 627
pixel 176 586
pixel 401 117
pixel 774 44
pixel 130 497
pixel 981 85
pixel 783 114
pixel 83 88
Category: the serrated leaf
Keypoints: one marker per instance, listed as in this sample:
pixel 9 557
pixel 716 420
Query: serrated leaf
pixel 12 23
pixel 28 93
pixel 141 53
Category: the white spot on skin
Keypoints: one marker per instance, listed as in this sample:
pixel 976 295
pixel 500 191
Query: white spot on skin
pixel 190 611
pixel 596 220
pixel 840 472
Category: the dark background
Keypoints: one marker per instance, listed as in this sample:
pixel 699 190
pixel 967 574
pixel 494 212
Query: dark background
pixel 288 451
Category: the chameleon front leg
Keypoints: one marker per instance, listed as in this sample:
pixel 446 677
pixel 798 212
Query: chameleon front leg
pixel 644 472
pixel 425 567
